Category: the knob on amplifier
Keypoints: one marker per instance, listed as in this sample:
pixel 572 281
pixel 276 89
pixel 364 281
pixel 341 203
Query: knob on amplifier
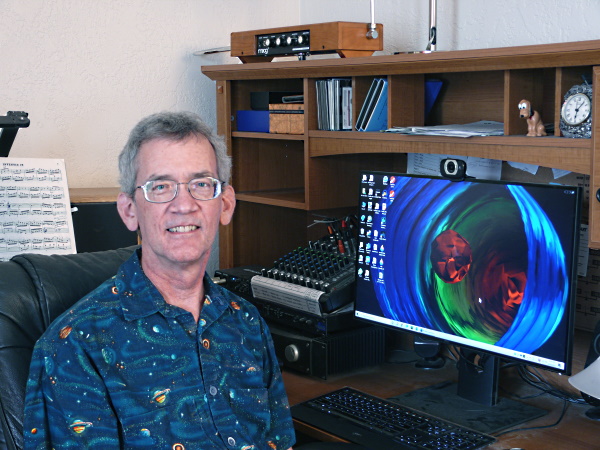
pixel 292 353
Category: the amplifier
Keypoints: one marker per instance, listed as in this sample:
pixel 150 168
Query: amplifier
pixel 347 39
pixel 330 355
pixel 237 279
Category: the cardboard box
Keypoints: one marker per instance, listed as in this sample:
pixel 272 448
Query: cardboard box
pixel 286 118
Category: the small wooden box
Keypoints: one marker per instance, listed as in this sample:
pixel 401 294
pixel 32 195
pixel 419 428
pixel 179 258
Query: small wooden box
pixel 286 118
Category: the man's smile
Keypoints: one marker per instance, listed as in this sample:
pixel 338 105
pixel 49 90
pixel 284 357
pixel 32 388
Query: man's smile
pixel 183 228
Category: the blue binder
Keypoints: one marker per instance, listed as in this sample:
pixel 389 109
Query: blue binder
pixel 375 107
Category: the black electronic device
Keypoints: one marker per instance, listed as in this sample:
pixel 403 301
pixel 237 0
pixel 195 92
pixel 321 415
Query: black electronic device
pixel 9 126
pixel 487 266
pixel 317 279
pixel 238 281
pixel 98 226
pixel 335 353
pixel 260 100
pixel 455 169
pixel 383 424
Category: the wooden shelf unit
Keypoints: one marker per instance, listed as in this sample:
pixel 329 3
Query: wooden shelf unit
pixel 282 181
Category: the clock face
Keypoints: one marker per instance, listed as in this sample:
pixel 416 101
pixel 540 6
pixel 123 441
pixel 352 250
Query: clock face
pixel 576 109
pixel 576 112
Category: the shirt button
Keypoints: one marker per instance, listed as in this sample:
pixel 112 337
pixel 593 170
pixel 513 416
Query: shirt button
pixel 231 441
pixel 213 390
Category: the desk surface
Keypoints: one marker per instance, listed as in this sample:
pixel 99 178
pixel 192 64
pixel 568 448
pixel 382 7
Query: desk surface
pixel 94 195
pixel 574 432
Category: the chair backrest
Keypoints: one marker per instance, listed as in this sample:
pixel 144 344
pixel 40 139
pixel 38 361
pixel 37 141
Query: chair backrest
pixel 34 290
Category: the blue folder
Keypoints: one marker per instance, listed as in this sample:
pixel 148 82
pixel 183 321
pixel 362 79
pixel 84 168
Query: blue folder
pixel 375 116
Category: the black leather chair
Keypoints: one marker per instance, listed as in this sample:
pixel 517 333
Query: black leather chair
pixel 34 290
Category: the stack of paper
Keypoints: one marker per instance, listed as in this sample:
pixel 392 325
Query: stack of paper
pixel 481 128
pixel 373 114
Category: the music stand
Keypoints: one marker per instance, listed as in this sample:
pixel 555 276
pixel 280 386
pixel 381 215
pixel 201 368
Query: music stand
pixel 9 125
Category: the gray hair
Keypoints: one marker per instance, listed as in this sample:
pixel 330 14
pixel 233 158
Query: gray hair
pixel 174 126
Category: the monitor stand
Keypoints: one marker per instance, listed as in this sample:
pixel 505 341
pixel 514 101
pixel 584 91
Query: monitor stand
pixel 473 402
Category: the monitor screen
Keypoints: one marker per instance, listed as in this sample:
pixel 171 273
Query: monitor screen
pixel 483 264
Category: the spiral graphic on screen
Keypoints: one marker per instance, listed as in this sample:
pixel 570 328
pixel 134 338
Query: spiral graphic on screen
pixel 481 263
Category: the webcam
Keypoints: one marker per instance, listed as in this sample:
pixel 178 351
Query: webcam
pixel 455 169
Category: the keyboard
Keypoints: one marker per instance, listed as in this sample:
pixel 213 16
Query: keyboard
pixel 380 424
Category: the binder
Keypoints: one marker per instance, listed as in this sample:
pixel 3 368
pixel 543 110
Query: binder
pixel 373 116
pixel 363 110
pixel 334 104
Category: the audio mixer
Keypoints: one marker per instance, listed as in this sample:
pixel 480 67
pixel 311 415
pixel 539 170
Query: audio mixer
pixel 316 279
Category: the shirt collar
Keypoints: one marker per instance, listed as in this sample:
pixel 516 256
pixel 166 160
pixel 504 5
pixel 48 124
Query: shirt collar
pixel 140 298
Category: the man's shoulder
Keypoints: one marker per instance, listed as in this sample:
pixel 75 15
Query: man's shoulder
pixel 97 305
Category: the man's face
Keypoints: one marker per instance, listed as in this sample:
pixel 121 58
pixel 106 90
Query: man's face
pixel 180 232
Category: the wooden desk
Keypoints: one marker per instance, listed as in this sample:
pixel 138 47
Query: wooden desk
pixel 574 432
pixel 94 195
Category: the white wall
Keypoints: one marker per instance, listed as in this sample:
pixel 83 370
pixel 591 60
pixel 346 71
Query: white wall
pixel 466 24
pixel 86 71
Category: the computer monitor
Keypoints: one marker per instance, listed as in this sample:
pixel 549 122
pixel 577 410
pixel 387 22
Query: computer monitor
pixel 489 266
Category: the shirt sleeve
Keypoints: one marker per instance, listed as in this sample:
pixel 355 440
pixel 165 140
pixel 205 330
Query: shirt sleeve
pixel 66 404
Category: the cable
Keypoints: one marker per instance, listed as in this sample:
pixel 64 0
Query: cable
pixel 560 418
pixel 535 379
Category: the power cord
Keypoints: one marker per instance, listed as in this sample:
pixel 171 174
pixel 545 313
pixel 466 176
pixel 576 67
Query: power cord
pixel 533 377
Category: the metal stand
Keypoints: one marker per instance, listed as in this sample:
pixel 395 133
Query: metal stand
pixel 10 124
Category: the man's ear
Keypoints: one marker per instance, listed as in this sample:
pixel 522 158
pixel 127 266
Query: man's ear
pixel 228 199
pixel 128 211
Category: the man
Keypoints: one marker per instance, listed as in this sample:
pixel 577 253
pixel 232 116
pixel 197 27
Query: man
pixel 159 356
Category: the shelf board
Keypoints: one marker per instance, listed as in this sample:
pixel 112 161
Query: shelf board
pixel 287 198
pixel 503 58
pixel 568 154
pixel 281 137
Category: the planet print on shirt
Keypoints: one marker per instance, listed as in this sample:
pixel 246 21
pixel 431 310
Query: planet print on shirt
pixel 79 426
pixel 160 396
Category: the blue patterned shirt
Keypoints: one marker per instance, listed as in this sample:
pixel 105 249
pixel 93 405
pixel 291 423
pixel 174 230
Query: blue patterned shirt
pixel 123 368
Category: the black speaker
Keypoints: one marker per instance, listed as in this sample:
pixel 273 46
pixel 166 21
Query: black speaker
pixel 98 226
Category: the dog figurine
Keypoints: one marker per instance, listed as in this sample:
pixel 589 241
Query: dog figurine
pixel 535 126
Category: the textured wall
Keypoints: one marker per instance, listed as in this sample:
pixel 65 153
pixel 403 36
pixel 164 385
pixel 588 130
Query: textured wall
pixel 87 71
pixel 466 24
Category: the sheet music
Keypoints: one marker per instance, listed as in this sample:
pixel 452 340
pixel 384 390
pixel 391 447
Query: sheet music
pixel 35 208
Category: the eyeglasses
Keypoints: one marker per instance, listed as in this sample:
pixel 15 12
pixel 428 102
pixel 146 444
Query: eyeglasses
pixel 163 191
